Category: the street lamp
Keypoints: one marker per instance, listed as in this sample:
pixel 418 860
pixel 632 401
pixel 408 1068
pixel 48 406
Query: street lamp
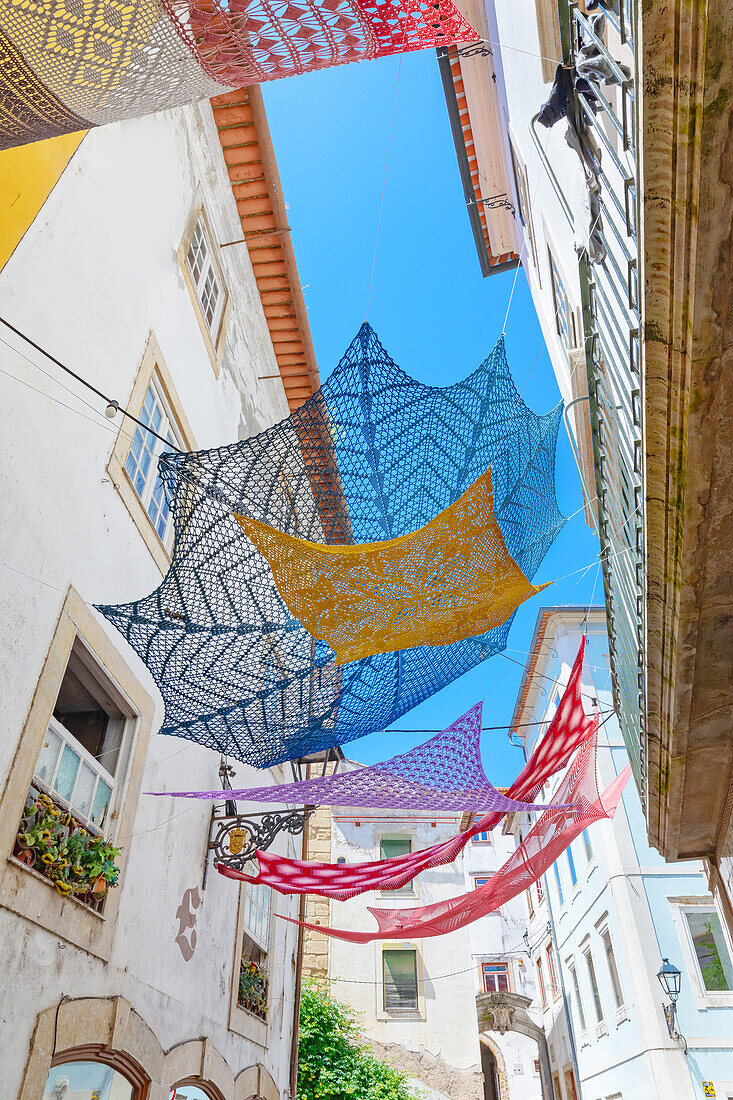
pixel 670 979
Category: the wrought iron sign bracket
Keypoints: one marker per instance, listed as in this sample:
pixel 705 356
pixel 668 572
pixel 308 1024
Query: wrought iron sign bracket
pixel 475 49
pixel 495 202
pixel 235 838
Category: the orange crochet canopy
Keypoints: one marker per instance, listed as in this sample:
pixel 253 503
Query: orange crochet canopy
pixel 452 579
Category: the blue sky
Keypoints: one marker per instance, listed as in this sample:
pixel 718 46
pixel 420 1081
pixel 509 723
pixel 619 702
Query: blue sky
pixel 431 308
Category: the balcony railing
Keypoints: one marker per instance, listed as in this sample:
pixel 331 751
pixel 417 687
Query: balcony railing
pixel 607 120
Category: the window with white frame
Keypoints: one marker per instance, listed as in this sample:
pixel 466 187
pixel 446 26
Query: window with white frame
pixel 253 978
pixel 558 883
pixel 552 971
pixel 84 752
pixel 593 982
pixel 587 846
pixel 206 276
pixel 495 977
pixel 141 465
pixel 711 949
pixel 579 1007
pixel 607 942
pixel 399 978
pixel 565 322
pixel 571 865
pixel 481 838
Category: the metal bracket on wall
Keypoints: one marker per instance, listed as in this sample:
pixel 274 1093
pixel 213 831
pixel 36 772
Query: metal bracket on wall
pixel 495 202
pixel 475 49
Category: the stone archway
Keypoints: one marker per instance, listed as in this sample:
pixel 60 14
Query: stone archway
pixel 502 1080
pixel 504 1012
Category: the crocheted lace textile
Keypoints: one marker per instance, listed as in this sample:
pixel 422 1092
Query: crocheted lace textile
pixel 448 581
pixel 68 66
pixel 569 728
pixel 443 774
pixel 371 456
pixel 552 834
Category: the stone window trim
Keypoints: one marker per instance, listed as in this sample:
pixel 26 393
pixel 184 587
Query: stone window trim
pixel 214 342
pixel 23 890
pixel 152 364
pixel 399 945
pixel 242 1022
pixel 109 1029
pixel 680 906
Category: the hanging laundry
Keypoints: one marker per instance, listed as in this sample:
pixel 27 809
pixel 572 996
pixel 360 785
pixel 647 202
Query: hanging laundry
pixel 372 455
pixel 450 580
pixel 569 728
pixel 590 66
pixel 443 774
pixel 552 834
pixel 66 67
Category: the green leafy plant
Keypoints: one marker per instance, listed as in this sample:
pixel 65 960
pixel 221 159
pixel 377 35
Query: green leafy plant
pixel 55 844
pixel 713 974
pixel 253 987
pixel 333 1061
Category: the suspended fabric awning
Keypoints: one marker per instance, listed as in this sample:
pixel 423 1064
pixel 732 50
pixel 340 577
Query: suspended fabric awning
pixel 371 456
pixel 71 66
pixel 452 579
pixel 569 728
pixel 552 834
pixel 443 774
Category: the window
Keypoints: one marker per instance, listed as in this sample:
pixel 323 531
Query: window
pixel 564 314
pixel 392 847
pixel 521 185
pixel 612 968
pixel 536 1067
pixel 82 758
pixel 558 883
pixel 540 890
pixel 399 974
pixel 578 998
pixel 496 977
pixel 253 989
pixel 711 949
pixel 556 1088
pixel 188 1091
pixel 481 838
pixel 206 276
pixel 552 971
pixel 530 903
pixel 87 1081
pixel 480 880
pixel 571 865
pixel 541 983
pixel 587 846
pixel 571 1091
pixel 590 965
pixel 141 465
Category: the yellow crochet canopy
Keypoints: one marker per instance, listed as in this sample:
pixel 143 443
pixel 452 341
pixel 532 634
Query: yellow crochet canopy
pixel 452 579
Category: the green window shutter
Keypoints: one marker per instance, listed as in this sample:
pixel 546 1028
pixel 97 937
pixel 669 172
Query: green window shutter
pixel 398 846
pixel 400 981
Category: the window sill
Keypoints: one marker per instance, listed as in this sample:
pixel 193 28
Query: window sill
pixel 705 1001
pixel 601 1029
pixel 248 1026
pixel 622 1013
pixel 396 1017
pixel 44 878
pixel 584 1040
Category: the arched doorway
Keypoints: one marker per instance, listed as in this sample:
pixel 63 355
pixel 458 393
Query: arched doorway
pixel 490 1071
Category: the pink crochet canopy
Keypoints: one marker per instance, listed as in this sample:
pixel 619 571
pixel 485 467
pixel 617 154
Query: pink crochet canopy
pixel 445 773
pixel 569 728
pixel 552 834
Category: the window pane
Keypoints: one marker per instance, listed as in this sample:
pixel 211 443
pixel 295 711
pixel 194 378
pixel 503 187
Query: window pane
pixel 612 969
pixel 256 914
pixel 587 846
pixel 711 949
pixel 578 998
pixel 48 756
pixel 398 846
pixel 86 1081
pixel 188 1092
pixel 66 775
pixel 100 806
pixel 400 981
pixel 571 864
pixel 84 790
pixel 594 987
pixel 560 894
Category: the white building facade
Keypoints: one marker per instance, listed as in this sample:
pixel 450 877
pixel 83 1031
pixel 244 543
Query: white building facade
pixel 171 979
pixel 607 913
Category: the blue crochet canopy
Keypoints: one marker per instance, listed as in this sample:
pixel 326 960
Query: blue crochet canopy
pixel 372 455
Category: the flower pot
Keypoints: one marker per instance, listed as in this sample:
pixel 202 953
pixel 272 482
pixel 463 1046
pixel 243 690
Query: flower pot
pixel 99 889
pixel 26 855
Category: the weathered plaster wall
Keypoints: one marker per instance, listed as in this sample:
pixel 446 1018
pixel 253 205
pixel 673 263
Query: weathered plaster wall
pixel 93 276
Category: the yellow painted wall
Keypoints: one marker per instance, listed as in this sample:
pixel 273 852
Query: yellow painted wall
pixel 28 175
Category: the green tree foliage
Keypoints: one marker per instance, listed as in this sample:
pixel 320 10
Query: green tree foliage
pixel 333 1062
